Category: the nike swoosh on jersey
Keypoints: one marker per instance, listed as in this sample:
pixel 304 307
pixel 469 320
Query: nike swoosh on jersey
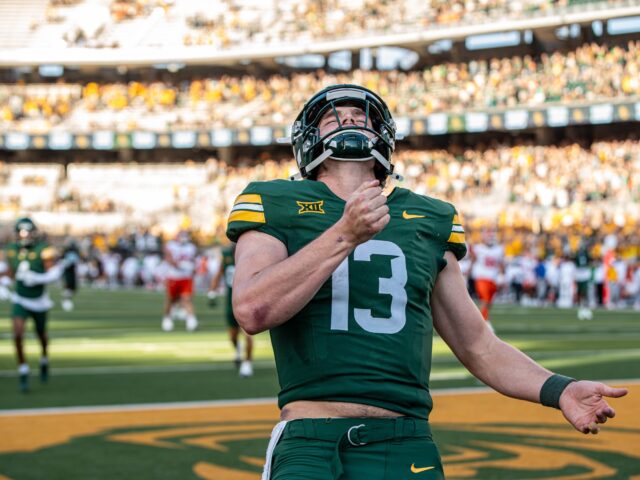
pixel 409 216
pixel 414 469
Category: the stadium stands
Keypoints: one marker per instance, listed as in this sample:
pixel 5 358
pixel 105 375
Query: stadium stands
pixel 29 187
pixel 527 184
pixel 589 73
pixel 18 20
pixel 224 24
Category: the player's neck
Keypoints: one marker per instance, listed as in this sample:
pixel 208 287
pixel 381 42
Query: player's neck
pixel 344 178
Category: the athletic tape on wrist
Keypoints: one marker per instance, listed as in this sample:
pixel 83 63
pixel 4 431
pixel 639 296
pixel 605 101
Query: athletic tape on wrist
pixel 552 390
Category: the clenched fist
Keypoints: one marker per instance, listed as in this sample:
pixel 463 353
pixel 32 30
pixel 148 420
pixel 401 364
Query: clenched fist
pixel 365 214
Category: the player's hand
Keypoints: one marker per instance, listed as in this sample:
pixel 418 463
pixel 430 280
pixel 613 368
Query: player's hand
pixel 583 405
pixel 365 214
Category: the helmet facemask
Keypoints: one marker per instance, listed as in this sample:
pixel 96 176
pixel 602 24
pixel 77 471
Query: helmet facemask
pixel 371 137
pixel 26 232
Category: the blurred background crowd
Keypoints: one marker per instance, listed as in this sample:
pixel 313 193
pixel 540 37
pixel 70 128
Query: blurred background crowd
pixel 588 73
pixel 245 23
pixel 551 191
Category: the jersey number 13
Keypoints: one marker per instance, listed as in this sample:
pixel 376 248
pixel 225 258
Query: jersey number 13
pixel 394 286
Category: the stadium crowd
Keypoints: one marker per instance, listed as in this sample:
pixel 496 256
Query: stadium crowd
pixel 228 24
pixel 589 73
pixel 548 201
pixel 524 183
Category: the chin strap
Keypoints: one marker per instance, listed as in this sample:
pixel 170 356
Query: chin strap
pixel 328 153
pixel 316 161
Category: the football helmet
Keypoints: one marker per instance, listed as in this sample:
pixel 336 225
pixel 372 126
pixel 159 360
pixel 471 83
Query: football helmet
pixel 373 139
pixel 26 231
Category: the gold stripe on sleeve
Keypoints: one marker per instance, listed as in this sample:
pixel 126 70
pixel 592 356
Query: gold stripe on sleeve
pixel 247 216
pixel 456 238
pixel 249 198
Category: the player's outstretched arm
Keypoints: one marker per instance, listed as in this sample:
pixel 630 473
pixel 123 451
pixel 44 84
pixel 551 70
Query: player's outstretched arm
pixel 505 368
pixel 270 287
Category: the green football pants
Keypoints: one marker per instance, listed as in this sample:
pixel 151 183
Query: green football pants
pixel 40 318
pixel 356 449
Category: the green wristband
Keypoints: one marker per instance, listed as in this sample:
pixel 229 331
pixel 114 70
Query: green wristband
pixel 553 388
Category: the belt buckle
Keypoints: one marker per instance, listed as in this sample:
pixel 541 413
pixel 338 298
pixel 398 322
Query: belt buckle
pixel 355 427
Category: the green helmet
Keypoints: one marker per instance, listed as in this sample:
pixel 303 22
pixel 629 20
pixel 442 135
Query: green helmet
pixel 374 139
pixel 26 231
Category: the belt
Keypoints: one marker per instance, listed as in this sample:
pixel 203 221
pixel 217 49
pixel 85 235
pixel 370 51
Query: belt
pixel 355 432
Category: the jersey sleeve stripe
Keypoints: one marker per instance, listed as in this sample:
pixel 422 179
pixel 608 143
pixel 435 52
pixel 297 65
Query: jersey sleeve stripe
pixel 247 206
pixel 456 238
pixel 456 219
pixel 48 253
pixel 457 229
pixel 247 216
pixel 249 198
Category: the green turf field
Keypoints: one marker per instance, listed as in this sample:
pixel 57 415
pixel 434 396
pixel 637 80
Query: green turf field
pixel 111 351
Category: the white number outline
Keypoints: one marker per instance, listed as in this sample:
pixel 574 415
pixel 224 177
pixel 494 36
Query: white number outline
pixel 394 286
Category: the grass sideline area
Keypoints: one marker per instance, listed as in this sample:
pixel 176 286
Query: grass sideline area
pixel 110 351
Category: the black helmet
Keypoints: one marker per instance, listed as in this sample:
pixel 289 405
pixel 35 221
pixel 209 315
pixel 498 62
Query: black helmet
pixel 374 139
pixel 26 231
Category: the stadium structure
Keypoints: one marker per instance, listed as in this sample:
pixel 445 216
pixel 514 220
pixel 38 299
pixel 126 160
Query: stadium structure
pixel 123 121
pixel 121 113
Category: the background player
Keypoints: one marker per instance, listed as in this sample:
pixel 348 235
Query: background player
pixel 226 271
pixel 31 263
pixel 487 269
pixel 179 257
pixel 71 256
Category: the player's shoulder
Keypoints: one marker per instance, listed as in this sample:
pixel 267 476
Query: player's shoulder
pixel 271 201
pixel 47 251
pixel 257 192
pixel 435 207
pixel 274 188
pixel 11 249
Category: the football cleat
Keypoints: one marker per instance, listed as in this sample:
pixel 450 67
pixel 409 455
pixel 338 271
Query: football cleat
pixel 44 370
pixel 167 324
pixel 67 305
pixel 246 369
pixel 191 323
pixel 23 377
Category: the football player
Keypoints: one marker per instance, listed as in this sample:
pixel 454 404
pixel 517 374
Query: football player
pixel 486 270
pixel 71 255
pixel 351 283
pixel 179 257
pixel 32 266
pixel 225 271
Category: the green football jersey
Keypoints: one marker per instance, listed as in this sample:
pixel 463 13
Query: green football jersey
pixel 366 336
pixel 35 255
pixel 228 264
pixel 229 267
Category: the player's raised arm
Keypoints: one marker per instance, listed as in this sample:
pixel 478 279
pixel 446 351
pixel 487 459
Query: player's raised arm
pixel 270 287
pixel 505 368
